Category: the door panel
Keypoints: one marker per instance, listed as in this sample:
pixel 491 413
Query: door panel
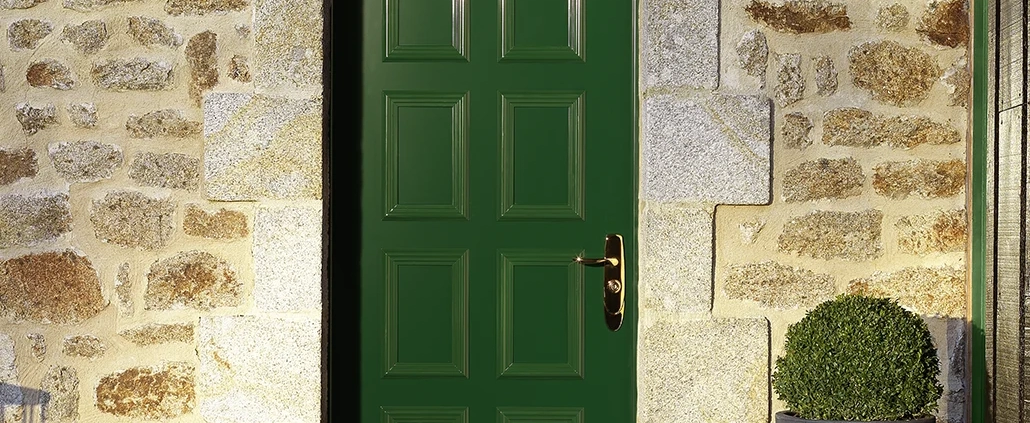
pixel 497 144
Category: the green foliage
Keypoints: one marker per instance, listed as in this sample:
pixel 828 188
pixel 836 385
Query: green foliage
pixel 859 358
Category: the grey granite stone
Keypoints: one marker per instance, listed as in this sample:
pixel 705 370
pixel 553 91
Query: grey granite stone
pixel 676 257
pixel 680 43
pixel 288 259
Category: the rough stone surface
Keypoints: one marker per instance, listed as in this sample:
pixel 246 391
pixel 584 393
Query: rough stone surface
pixel 823 178
pixel 50 73
pixel 131 219
pixel 958 79
pixel 801 16
pixel 87 346
pixel 10 391
pixel 938 291
pixel 852 236
pixel 711 370
pixel 164 123
pixel 132 74
pixel 854 127
pixel 62 385
pixel 88 37
pixel 675 257
pixel 680 43
pixel 150 31
pixel 3 81
pixel 749 230
pixel 35 118
pixel 83 115
pixel 945 23
pixel 288 46
pixel 795 130
pixel 238 68
pixel 33 220
pixel 37 346
pixel 939 231
pixel 157 333
pixel 203 7
pixel 25 34
pixel 241 376
pixel 926 178
pixel 85 161
pixel 123 288
pixel 778 286
pixel 200 55
pixel 168 170
pixel 262 147
pixel 91 5
pixel 892 73
pixel 825 76
pixel 17 164
pixel 708 149
pixel 790 83
pixel 753 50
pixel 159 392
pixel 243 31
pixel 19 4
pixel 288 259
pixel 223 224
pixel 51 287
pixel 193 279
pixel 892 18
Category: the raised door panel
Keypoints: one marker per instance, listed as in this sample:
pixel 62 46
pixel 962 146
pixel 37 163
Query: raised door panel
pixel 426 30
pixel 541 30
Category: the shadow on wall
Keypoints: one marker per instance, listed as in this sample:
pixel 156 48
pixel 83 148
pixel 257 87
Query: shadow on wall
pixel 950 339
pixel 28 402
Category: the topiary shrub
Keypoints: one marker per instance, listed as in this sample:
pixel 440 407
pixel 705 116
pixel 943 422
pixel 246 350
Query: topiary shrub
pixel 858 358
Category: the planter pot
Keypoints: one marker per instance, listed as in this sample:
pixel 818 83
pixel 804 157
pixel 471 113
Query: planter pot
pixel 790 417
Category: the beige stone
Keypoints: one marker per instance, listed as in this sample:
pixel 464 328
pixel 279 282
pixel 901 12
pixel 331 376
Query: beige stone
pixel 50 73
pixel 151 31
pixel 61 383
pixel 777 285
pixel 131 219
pixel 753 52
pixel 958 78
pixel 37 346
pixel 825 75
pixel 25 34
pixel 795 130
pixel 17 164
pixel 790 83
pixel 925 178
pixel 10 391
pixel 83 115
pixel 158 333
pixel 945 23
pixel 30 220
pixel 801 16
pixel 35 118
pixel 138 74
pixel 892 18
pixel 91 5
pixel 823 178
pixel 939 291
pixel 123 288
pixel 853 236
pixel 750 229
pixel 19 4
pixel 676 257
pixel 223 224
pixel 892 73
pixel 203 7
pixel 287 253
pixel 87 346
pixel 88 37
pixel 200 55
pixel 51 287
pixel 164 123
pixel 167 170
pixel 939 231
pixel 85 161
pixel 854 127
pixel 287 46
pixel 192 279
pixel 238 68
pixel 157 392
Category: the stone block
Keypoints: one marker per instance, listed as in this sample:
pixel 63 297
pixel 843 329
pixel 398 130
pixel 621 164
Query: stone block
pixel 35 118
pixel 10 391
pixel 790 82
pixel 287 46
pixel 945 23
pixel 88 37
pixel 958 78
pixel 825 75
pixel 50 73
pixel 676 244
pixel 892 73
pixel 25 34
pixel 753 53
pixel 19 4
pixel 892 18
pixel 200 56
pixel 288 259
pixel 139 74
pixel 260 147
pixel 51 287
pixel 778 286
pixel 239 69
pixel 91 5
pixel 61 383
pixel 192 279
pixel 85 161
pixel 939 231
pixel 17 164
pixel 87 346
pixel 679 43
pixel 150 31
pixel 242 376
pixel 37 346
pixel 925 178
pixel 795 130
pixel 823 178
pixel 159 333
pixel 131 219
pixel 710 149
pixel 750 229
pixel 853 236
pixel 148 393
pixel 853 127
pixel 83 115
pixel 164 123
pixel 712 370
pixel 223 224
pixel 203 7
pixel 123 288
pixel 801 16
pixel 167 170
pixel 936 291
pixel 33 220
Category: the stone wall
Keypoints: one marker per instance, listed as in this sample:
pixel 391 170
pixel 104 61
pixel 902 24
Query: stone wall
pixel 793 150
pixel 160 210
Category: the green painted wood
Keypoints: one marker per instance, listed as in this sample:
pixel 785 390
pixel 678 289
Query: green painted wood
pixel 498 142
pixel 978 192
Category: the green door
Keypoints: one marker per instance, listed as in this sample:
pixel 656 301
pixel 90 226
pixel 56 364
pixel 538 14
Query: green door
pixel 498 143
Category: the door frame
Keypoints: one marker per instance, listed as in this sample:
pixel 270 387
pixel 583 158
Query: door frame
pixel 978 211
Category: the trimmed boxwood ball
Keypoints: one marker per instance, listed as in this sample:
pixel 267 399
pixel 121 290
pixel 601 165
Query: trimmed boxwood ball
pixel 859 358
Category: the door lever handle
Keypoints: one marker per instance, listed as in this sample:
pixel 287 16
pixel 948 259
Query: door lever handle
pixel 614 282
pixel 597 262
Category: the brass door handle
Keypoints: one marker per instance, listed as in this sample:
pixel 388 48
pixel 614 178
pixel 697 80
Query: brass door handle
pixel 614 286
